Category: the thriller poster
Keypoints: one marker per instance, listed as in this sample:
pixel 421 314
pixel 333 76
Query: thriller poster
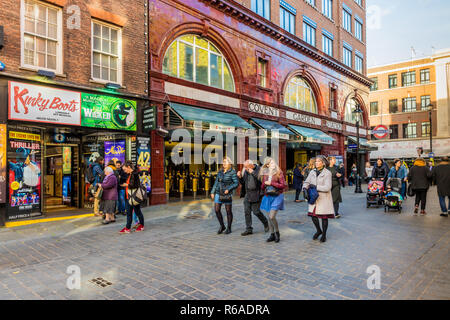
pixel 24 162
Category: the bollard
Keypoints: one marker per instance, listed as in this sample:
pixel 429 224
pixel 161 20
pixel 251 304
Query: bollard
pixel 206 185
pixel 167 189
pixel 181 188
pixel 194 186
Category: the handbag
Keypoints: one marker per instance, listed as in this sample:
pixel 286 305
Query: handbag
pixel 137 196
pixel 222 196
pixel 410 191
pixel 312 192
pixel 272 191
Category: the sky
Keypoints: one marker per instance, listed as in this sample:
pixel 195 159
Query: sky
pixel 394 26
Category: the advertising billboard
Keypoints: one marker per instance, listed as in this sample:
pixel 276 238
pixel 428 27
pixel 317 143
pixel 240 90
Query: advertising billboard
pixel 3 149
pixel 115 150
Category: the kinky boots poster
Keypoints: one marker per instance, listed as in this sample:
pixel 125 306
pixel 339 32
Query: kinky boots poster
pixel 24 166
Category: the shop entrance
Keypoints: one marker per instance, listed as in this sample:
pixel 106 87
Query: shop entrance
pixel 61 178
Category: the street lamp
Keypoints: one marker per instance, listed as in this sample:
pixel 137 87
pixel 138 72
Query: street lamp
pixel 430 107
pixel 357 113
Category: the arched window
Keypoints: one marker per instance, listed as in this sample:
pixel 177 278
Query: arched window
pixel 351 116
pixel 299 95
pixel 196 59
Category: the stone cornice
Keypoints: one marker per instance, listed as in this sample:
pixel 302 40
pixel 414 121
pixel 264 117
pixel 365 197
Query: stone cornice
pixel 248 17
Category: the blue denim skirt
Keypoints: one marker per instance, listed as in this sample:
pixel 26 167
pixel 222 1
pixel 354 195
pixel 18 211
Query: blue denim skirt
pixel 272 203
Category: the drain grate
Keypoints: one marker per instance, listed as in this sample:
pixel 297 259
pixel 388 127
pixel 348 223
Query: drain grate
pixel 296 221
pixel 194 216
pixel 101 282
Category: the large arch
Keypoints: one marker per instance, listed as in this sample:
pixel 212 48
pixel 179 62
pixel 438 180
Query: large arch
pixel 213 36
pixel 312 83
pixel 362 105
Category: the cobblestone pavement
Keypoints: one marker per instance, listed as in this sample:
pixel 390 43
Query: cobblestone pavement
pixel 180 256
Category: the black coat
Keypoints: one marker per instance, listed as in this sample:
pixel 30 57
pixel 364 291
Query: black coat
pixel 380 172
pixel 298 179
pixel 251 195
pixel 419 177
pixel 441 177
pixel 335 184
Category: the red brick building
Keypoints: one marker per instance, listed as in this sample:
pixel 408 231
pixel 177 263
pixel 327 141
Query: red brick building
pixel 300 64
pixel 73 79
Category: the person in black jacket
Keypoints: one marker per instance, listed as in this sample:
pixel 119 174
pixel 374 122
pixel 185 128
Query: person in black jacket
pixel 298 181
pixel 419 178
pixel 380 171
pixel 335 185
pixel 441 178
pixel 132 183
pixel 251 192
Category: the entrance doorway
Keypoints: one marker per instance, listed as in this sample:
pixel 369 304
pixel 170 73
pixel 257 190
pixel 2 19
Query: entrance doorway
pixel 61 178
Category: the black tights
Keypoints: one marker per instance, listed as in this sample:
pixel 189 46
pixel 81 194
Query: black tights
pixel 218 206
pixel 324 225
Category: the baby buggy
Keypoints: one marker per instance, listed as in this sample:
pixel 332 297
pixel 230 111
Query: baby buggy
pixel 393 199
pixel 375 192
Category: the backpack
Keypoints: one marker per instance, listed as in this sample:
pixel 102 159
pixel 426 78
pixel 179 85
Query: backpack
pixel 90 174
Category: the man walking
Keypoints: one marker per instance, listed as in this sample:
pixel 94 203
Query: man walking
pixel 250 191
pixel 441 178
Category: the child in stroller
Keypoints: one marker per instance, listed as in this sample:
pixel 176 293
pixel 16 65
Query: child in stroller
pixel 375 191
pixel 392 198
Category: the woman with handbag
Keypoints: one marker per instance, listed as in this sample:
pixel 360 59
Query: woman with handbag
pixel 320 179
pixel 109 195
pixel 222 193
pixel 273 186
pixel 131 185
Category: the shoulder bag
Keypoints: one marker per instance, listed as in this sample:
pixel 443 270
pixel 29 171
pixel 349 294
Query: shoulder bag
pixel 313 194
pixel 222 196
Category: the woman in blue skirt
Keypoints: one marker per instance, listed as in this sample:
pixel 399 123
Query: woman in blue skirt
pixel 273 186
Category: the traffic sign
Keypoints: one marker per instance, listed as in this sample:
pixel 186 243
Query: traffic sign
pixel 380 131
pixel 431 155
pixel 352 146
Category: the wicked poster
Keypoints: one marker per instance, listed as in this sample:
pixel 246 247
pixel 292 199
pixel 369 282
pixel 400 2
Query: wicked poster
pixel 24 164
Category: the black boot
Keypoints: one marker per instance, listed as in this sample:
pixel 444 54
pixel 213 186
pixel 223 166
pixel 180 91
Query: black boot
pixel 315 220
pixel 221 229
pixel 228 231
pixel 271 238
pixel 316 235
pixel 323 238
pixel 277 237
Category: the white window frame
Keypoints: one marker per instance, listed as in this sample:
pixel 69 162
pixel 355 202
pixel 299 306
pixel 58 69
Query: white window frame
pixel 346 23
pixel 327 43
pixel 59 44
pixel 350 63
pixel 309 34
pixel 119 52
pixel 358 30
pixel 359 61
pixel 327 8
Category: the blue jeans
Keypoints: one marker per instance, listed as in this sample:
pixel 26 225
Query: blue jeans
pixel 137 211
pixel 444 207
pixel 121 202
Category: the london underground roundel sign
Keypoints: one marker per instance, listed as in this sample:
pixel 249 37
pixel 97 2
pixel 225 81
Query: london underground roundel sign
pixel 380 131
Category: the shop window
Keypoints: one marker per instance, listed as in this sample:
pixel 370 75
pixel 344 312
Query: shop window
pixel 193 58
pixel 106 53
pixel 299 95
pixel 41 36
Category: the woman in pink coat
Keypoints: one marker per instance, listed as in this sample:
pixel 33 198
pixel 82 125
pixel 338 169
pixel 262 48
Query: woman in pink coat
pixel 323 208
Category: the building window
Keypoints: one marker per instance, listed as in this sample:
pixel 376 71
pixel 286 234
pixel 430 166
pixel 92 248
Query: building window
pixel 309 33
pixel 409 130
pixel 261 7
pixel 347 57
pixel 333 95
pixel 408 78
pixel 327 45
pixel 393 106
pixel 426 129
pixel 425 76
pixel 196 59
pixel 299 95
pixel 358 30
pixel 41 36
pixel 409 104
pixel 393 131
pixel 374 108
pixel 312 2
pixel 374 86
pixel 359 63
pixel 347 20
pixel 351 116
pixel 425 102
pixel 106 53
pixel 327 8
pixel 392 81
pixel 262 72
pixel 287 20
pixel 359 2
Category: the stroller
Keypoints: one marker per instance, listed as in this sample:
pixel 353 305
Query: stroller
pixel 393 199
pixel 375 192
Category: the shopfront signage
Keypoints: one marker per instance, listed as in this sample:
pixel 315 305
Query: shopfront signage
pixel 350 129
pixel 303 118
pixel 263 109
pixel 276 134
pixel 107 112
pixel 334 125
pixel 3 149
pixel 149 118
pixel 380 132
pixel 29 102
pixel 220 127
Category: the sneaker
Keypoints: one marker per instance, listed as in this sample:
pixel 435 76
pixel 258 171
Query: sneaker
pixel 139 228
pixel 125 230
pixel 337 216
pixel 444 214
pixel 422 212
pixel 247 232
pixel 416 210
